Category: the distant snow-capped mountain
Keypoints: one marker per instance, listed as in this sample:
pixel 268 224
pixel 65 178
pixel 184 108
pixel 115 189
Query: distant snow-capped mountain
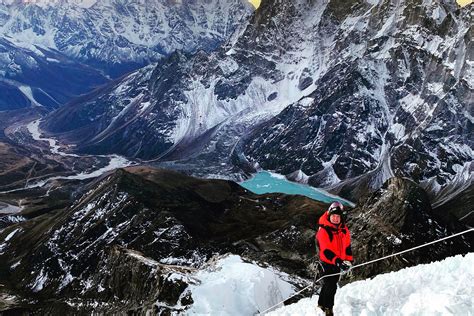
pixel 45 3
pixel 361 95
pixel 114 32
pixel 107 38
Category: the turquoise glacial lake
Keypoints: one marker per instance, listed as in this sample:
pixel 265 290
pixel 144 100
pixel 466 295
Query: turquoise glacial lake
pixel 267 182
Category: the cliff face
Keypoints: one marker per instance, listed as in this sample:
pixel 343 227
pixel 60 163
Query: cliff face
pixel 397 217
pixel 396 101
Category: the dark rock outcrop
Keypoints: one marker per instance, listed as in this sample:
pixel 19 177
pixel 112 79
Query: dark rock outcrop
pixel 398 217
pixel 140 218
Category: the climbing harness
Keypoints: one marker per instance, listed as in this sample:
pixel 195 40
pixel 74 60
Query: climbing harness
pixel 315 280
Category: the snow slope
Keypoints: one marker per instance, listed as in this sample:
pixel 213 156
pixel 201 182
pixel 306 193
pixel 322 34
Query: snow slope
pixel 233 287
pixel 440 288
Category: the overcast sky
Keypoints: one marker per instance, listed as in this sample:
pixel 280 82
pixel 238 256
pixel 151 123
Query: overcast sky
pixel 464 2
pixel 256 3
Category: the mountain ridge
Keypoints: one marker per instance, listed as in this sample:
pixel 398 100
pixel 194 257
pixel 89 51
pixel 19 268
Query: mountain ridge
pixel 101 41
pixel 267 100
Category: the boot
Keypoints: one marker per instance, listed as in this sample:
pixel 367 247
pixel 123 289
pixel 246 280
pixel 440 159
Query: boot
pixel 327 310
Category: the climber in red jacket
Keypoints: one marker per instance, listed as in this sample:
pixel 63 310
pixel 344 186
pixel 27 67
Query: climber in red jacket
pixel 334 242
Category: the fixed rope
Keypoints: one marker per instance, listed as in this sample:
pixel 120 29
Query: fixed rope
pixel 369 262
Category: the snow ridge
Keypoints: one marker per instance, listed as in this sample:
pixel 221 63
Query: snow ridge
pixel 439 288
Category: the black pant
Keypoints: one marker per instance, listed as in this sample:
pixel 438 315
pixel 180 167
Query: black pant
pixel 328 291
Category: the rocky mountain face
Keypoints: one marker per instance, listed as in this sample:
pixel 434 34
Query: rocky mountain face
pixel 150 222
pixel 199 105
pixel 398 102
pixel 343 99
pixel 60 49
pixel 399 216
pixel 135 238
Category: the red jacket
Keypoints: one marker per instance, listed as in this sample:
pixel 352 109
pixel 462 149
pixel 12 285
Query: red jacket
pixel 333 241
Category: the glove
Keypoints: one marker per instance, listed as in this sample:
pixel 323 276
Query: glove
pixel 348 273
pixel 345 266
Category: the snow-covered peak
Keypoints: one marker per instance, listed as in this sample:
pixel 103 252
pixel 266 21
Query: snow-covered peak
pixel 439 288
pixel 45 3
pixel 121 31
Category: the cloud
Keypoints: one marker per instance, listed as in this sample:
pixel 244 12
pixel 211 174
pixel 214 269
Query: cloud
pixel 256 3
pixel 464 2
